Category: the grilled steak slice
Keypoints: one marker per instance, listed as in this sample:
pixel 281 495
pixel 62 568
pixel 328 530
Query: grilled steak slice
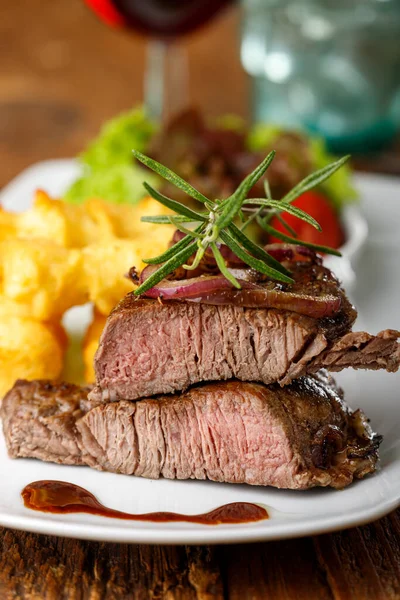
pixel 39 420
pixel 358 350
pixel 295 437
pixel 150 348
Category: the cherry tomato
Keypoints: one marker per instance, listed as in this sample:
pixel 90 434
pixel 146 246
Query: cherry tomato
pixel 316 205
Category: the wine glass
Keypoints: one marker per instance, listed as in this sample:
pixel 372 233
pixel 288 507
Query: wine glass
pixel 166 76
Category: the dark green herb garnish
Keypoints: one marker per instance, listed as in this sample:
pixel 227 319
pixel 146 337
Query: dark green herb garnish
pixel 216 223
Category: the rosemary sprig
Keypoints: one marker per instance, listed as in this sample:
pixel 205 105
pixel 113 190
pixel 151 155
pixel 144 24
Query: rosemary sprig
pixel 170 176
pixel 177 207
pixel 292 240
pixel 255 263
pixel 216 223
pixel 286 226
pixel 173 263
pixel 291 210
pixel 219 259
pixel 171 251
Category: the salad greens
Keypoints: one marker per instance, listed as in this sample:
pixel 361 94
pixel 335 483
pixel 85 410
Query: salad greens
pixel 111 173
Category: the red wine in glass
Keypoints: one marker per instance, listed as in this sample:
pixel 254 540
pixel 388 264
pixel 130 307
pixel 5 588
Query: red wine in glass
pixel 164 21
pixel 158 18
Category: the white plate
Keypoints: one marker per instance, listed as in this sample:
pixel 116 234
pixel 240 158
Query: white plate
pixel 292 513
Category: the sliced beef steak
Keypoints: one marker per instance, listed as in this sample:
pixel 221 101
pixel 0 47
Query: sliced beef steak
pixel 295 437
pixel 150 348
pixel 39 420
pixel 358 350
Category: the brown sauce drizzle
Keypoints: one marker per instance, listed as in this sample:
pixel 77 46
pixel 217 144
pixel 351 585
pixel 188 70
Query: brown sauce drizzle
pixel 61 497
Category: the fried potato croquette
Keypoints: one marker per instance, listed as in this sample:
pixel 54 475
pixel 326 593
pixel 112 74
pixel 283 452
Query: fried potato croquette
pixel 29 350
pixel 8 225
pixel 55 256
pixel 48 219
pixel 77 226
pixel 41 278
pixel 105 265
pixel 126 218
pixel 70 225
pixel 90 344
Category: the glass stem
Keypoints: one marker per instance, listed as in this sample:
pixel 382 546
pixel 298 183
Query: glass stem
pixel 166 79
pixel 154 79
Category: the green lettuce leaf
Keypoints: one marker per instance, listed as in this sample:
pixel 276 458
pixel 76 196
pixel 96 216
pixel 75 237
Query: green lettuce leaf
pixel 262 135
pixel 110 171
pixel 119 183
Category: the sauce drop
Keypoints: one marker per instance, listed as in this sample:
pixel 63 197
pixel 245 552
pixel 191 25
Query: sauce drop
pixel 61 497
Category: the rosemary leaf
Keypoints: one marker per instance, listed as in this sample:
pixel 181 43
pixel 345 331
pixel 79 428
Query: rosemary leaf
pixel 177 207
pixel 267 189
pixel 255 214
pixel 256 250
pixel 219 259
pixel 165 219
pixel 170 176
pixel 233 204
pixel 286 207
pixel 286 238
pixel 255 263
pixel 314 179
pixel 254 176
pixel 286 225
pixel 183 243
pixel 173 263
pixel 183 229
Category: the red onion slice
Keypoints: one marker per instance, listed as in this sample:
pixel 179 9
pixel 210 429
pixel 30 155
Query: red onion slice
pixel 255 293
pixel 189 289
pixel 219 291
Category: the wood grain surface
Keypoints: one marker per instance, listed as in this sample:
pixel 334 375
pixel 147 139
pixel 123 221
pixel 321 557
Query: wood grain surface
pixel 358 564
pixel 62 73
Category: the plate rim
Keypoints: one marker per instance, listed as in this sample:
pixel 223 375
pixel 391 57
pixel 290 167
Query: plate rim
pixel 107 532
pixel 205 535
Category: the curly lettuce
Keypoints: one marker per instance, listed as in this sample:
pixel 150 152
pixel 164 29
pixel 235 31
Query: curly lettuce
pixel 109 170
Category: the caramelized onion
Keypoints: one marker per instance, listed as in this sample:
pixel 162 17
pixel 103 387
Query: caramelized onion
pixel 291 252
pixel 215 289
pixel 207 285
pixel 328 441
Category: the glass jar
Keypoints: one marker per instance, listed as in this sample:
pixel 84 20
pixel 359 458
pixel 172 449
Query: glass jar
pixel 330 66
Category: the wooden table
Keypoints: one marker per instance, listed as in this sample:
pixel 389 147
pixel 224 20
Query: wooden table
pixel 62 73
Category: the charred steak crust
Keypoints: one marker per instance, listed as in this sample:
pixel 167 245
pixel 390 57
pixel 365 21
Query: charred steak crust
pixel 361 350
pixel 295 437
pixel 151 348
pixel 358 350
pixel 314 280
pixel 39 420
